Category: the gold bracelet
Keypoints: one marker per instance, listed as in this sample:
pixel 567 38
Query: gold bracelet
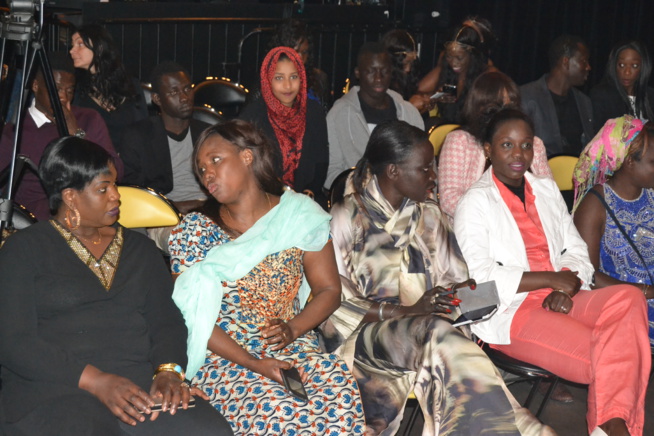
pixel 170 367
pixel 563 292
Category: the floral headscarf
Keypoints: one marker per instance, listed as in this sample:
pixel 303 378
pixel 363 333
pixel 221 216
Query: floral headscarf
pixel 604 155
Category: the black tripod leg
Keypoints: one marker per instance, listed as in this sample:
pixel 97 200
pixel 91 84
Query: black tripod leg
pixel 19 109
pixel 62 128
pixel 20 26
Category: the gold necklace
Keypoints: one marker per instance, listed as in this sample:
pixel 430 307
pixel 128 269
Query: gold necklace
pixel 91 240
pixel 269 207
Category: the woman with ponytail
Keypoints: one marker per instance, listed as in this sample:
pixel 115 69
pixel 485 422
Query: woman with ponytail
pixel 393 327
pixel 294 124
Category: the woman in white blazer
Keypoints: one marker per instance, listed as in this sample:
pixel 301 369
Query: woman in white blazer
pixel 514 228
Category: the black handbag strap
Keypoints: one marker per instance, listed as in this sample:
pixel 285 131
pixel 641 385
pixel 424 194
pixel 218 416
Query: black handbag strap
pixel 622 230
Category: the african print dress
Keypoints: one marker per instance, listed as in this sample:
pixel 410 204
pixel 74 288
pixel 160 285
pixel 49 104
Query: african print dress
pixel 252 403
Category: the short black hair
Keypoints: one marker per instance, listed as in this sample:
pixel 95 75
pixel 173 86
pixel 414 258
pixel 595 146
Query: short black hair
pixel 71 162
pixel 373 48
pixel 502 116
pixel 166 67
pixel 391 142
pixel 59 61
pixel 564 46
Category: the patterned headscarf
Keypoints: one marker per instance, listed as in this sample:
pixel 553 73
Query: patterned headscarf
pixel 289 123
pixel 604 155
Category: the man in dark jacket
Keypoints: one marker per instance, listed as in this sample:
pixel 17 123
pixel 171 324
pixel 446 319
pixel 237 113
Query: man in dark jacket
pixel 561 113
pixel 157 151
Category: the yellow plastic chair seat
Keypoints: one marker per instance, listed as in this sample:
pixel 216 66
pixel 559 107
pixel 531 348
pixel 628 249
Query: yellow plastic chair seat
pixel 437 135
pixel 143 207
pixel 562 169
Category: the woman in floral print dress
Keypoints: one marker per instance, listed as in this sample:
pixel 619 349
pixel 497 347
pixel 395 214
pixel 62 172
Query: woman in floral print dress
pixel 248 269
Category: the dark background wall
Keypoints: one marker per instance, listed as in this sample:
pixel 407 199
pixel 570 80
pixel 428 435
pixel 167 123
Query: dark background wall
pixel 205 37
pixel 525 29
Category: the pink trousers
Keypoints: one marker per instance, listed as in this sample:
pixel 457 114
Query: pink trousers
pixel 602 342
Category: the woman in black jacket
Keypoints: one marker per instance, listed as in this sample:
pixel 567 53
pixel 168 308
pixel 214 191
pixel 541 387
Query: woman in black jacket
pixel 624 89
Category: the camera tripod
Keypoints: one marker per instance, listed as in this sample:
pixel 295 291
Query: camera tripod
pixel 21 28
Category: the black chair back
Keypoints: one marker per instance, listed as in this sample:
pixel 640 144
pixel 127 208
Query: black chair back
pixel 222 95
pixel 20 218
pixel 207 115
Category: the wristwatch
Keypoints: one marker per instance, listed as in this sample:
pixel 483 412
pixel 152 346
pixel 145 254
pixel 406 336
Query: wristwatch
pixel 80 133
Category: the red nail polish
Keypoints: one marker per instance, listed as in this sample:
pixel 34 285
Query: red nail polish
pixel 448 310
pixel 473 287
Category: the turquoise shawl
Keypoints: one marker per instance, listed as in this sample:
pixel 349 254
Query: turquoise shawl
pixel 296 222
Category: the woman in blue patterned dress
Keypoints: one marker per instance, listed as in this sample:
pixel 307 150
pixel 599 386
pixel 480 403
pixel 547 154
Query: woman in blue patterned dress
pixel 623 153
pixel 247 266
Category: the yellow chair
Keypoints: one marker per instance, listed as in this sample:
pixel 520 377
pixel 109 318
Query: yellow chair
pixel 562 168
pixel 143 207
pixel 437 135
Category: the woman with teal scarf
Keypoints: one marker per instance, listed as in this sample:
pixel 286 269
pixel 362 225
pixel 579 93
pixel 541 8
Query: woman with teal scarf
pixel 246 267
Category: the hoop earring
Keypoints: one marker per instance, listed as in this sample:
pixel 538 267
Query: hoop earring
pixel 69 219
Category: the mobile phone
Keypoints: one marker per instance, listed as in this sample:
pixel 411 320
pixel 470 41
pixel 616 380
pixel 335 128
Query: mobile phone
pixel 157 404
pixel 449 89
pixel 475 316
pixel 437 95
pixel 293 384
